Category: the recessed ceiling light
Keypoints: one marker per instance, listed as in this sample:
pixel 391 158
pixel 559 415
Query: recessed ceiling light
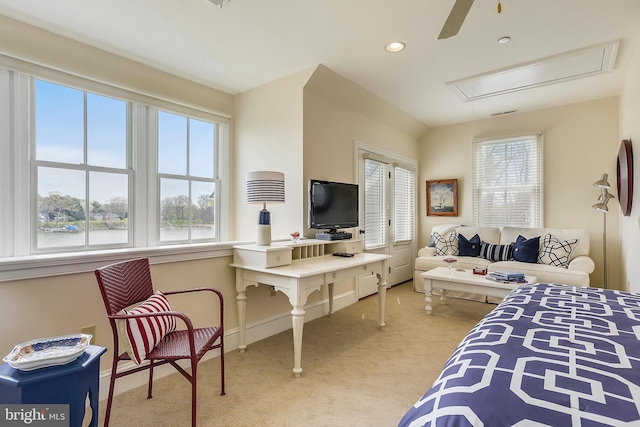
pixel 503 40
pixel 395 47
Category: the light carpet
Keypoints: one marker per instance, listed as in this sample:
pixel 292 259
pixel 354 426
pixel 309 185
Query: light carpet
pixel 354 373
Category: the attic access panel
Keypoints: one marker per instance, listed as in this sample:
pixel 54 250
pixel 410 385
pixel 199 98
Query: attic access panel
pixel 567 66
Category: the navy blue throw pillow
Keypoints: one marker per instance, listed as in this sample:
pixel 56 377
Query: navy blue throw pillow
pixel 526 250
pixel 469 247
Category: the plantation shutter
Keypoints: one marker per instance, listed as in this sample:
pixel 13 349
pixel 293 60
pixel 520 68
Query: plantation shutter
pixel 507 182
pixel 404 206
pixel 375 212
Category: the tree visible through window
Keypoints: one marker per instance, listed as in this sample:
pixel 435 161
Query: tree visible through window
pixel 81 147
pixel 507 182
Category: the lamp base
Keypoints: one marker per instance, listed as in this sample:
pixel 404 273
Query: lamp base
pixel 264 235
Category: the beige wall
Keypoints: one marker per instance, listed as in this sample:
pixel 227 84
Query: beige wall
pixel 580 143
pixel 268 135
pixel 37 46
pixel 630 129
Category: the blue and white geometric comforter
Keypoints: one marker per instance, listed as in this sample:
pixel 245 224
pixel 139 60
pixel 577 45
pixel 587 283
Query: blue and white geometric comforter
pixel 548 355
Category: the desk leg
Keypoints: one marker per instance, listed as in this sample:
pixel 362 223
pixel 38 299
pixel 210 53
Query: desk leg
pixel 382 296
pixel 297 318
pixel 242 320
pixel 427 294
pixel 330 285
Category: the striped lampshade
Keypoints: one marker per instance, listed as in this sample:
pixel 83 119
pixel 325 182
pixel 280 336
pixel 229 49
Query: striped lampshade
pixel 265 186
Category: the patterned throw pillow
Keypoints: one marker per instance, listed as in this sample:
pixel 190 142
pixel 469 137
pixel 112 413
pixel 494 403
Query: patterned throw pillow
pixel 144 333
pixel 446 245
pixel 496 252
pixel 469 247
pixel 556 252
pixel 526 250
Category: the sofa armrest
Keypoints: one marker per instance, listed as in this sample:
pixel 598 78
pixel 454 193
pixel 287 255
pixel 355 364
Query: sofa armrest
pixel 582 263
pixel 426 251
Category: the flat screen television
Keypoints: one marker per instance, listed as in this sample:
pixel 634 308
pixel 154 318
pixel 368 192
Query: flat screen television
pixel 332 205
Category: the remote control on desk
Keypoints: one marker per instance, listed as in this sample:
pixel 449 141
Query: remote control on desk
pixel 343 254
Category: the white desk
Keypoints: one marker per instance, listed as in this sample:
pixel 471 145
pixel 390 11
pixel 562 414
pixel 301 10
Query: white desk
pixel 302 277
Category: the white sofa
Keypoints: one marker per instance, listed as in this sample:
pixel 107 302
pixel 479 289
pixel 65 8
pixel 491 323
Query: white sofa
pixel 576 273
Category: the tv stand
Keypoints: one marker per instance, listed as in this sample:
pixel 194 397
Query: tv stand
pixel 333 235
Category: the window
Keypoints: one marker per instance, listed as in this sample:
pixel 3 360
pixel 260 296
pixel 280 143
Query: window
pixel 404 206
pixel 81 165
pixel 186 170
pixel 507 182
pixel 375 203
pixel 90 167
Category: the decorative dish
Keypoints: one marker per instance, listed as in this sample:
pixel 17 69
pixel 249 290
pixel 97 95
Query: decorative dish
pixel 44 352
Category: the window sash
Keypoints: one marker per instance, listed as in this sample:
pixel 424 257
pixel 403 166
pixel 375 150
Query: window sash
pixel 404 205
pixel 508 182
pixel 375 204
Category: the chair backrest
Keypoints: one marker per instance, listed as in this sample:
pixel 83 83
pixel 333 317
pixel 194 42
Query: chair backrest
pixel 124 283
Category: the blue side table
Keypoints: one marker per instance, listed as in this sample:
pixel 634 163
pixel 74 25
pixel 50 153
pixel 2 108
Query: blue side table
pixel 65 384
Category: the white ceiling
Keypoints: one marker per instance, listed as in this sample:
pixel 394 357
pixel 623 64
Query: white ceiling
pixel 248 43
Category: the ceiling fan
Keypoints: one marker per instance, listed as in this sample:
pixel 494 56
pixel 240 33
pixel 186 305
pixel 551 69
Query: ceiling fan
pixel 456 18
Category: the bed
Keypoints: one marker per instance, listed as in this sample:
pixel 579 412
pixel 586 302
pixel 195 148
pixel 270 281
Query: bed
pixel 547 355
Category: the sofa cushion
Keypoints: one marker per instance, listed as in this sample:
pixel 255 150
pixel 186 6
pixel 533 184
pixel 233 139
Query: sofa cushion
pixel 447 244
pixel 496 252
pixel 543 273
pixel 526 250
pixel 555 252
pixel 466 262
pixel 470 247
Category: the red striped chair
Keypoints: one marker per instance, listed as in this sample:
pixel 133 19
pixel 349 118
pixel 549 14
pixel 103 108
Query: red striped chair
pixel 148 330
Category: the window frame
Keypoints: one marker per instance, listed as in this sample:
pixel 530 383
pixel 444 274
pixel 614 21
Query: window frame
pixel 18 260
pixel 537 183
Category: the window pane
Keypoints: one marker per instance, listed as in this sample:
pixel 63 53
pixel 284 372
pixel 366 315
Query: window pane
pixel 108 208
pixel 375 212
pixel 106 131
pixel 202 210
pixel 201 148
pixel 172 144
pixel 59 123
pixel 404 205
pixel 174 209
pixel 61 212
pixel 508 182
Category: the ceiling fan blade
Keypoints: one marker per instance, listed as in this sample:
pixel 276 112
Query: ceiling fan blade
pixel 455 19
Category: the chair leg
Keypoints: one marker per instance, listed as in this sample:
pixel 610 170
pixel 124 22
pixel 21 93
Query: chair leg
pixel 112 383
pixel 222 365
pixel 149 396
pixel 194 394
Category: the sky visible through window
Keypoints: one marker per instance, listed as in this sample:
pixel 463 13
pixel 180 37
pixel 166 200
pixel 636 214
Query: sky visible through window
pixel 82 145
pixel 60 135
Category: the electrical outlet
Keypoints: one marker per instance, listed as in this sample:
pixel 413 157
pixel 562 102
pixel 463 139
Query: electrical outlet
pixel 90 330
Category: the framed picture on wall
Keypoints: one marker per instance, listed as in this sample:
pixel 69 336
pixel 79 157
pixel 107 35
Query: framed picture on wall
pixel 442 197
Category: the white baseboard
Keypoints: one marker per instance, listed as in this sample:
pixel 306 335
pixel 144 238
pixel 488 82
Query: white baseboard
pixel 254 332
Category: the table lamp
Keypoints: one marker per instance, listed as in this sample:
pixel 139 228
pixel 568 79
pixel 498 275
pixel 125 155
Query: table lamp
pixel 265 187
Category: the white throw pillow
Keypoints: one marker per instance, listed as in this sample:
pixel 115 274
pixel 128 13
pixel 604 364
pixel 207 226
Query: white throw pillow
pixel 144 333
pixel 555 252
pixel 446 245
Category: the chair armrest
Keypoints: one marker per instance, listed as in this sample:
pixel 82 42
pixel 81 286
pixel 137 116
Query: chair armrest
pixel 185 291
pixel 582 263
pixel 214 290
pixel 426 251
